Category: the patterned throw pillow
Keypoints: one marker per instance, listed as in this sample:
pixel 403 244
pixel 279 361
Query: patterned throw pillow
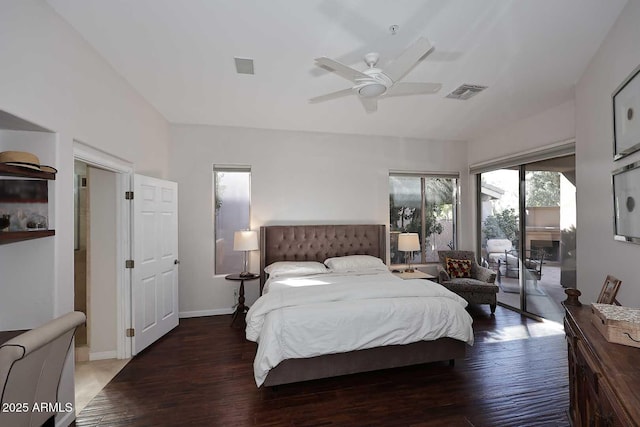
pixel 458 268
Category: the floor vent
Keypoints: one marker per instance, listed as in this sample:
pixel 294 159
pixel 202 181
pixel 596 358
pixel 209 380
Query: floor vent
pixel 466 91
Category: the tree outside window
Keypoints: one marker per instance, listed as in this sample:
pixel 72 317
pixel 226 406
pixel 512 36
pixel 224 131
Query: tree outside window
pixel 542 190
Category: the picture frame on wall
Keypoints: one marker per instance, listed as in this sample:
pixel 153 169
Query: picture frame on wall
pixel 626 116
pixel 626 203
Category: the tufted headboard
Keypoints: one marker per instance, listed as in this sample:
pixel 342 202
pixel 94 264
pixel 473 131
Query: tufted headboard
pixel 319 242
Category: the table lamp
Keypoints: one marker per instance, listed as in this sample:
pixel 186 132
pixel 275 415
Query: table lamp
pixel 408 242
pixel 245 240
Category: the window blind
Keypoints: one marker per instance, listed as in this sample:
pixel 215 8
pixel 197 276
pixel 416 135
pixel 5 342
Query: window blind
pixel 425 174
pixel 563 148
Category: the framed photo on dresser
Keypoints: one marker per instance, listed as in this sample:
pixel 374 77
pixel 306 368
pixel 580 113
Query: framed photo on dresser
pixel 609 290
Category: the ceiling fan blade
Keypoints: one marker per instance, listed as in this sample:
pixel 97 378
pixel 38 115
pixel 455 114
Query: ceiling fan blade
pixel 403 89
pixel 341 69
pixel 408 59
pixel 332 95
pixel 369 104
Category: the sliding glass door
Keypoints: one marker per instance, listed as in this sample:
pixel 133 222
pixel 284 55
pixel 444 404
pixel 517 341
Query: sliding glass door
pixel 500 230
pixel 527 233
pixel 549 245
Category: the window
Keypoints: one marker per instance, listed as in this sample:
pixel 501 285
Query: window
pixel 231 211
pixel 423 204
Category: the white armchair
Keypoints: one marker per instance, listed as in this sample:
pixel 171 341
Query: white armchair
pixel 30 369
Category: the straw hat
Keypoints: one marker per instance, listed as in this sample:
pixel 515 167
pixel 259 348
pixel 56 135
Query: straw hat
pixel 24 160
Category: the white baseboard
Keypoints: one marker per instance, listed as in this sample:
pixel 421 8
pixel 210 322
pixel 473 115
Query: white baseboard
pixel 102 355
pixel 201 313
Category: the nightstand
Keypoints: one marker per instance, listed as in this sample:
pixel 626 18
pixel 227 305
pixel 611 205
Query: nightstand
pixel 241 308
pixel 417 274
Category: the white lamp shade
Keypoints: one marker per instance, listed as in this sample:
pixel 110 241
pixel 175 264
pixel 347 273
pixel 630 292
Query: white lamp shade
pixel 408 242
pixel 246 240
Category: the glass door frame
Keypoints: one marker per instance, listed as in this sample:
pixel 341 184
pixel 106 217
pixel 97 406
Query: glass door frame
pixel 532 222
pixel 520 162
pixel 521 235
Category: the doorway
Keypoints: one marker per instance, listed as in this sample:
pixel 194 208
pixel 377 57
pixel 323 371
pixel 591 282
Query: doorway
pixel 143 314
pixel 95 280
pixel 101 243
pixel 80 220
pixel 527 223
pixel 95 266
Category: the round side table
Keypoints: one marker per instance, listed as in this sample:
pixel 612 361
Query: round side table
pixel 241 308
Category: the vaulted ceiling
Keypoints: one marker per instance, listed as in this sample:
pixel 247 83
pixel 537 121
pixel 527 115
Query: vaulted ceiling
pixel 179 55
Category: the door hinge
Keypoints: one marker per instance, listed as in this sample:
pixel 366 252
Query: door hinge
pixel 129 264
pixel 128 195
pixel 131 332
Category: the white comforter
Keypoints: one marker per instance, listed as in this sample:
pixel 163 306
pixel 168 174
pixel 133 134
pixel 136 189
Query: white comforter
pixel 350 312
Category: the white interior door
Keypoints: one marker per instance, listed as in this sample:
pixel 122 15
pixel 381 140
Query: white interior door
pixel 155 247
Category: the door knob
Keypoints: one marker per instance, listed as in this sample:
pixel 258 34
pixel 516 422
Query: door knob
pixel 176 262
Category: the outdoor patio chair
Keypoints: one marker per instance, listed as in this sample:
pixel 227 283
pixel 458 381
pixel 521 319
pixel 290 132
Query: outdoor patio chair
pixel 495 250
pixel 534 259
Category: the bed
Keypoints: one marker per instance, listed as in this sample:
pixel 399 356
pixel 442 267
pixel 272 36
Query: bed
pixel 365 293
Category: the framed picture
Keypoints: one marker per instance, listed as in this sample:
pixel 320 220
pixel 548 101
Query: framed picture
pixel 609 290
pixel 626 116
pixel 626 195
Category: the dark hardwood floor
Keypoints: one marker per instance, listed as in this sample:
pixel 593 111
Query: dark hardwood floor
pixel 201 374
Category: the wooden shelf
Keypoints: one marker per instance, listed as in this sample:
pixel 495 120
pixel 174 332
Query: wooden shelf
pixel 9 170
pixel 20 172
pixel 18 236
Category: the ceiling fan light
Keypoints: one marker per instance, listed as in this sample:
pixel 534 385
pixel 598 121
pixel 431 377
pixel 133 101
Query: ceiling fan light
pixel 372 89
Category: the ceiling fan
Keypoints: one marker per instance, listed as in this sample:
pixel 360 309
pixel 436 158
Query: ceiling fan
pixel 374 83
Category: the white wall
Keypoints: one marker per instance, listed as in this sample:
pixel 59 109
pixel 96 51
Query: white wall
pixel 598 253
pixel 553 125
pixel 57 81
pixel 26 268
pixel 297 177
pixel 52 77
pixel 101 284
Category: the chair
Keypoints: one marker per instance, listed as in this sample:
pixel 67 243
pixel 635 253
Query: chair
pixel 510 263
pixel 496 248
pixel 30 369
pixel 533 264
pixel 478 289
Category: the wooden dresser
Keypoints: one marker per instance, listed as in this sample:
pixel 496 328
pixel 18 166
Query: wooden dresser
pixel 604 378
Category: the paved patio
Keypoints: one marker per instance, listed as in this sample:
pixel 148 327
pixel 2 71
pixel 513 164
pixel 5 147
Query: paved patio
pixel 543 298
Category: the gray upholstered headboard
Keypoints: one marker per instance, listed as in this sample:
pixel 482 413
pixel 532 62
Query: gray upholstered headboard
pixel 319 242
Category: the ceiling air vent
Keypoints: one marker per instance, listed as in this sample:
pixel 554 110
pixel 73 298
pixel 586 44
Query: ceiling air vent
pixel 244 65
pixel 466 91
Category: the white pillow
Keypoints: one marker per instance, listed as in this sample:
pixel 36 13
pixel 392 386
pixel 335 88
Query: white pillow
pixel 348 263
pixel 298 268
